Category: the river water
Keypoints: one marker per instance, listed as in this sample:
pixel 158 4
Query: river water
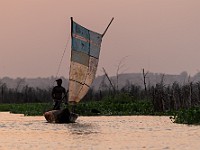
pixel 19 132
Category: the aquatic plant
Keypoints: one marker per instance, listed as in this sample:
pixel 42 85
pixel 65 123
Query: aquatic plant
pixel 187 116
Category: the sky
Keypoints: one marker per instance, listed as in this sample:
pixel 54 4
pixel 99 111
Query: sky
pixel 161 36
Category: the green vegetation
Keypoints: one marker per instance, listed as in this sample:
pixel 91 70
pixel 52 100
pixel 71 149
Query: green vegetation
pixel 182 102
pixel 109 106
pixel 120 105
pixel 31 109
pixel 187 116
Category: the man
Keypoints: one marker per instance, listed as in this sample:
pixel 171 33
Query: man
pixel 58 94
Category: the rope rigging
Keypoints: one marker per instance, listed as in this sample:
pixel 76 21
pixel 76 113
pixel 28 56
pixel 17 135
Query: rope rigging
pixel 63 55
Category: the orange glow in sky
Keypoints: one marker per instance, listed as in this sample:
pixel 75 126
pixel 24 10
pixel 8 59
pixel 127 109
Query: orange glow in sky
pixel 160 36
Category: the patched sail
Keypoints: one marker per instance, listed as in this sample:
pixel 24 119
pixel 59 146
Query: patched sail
pixel 85 50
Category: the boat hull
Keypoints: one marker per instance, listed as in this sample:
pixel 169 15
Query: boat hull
pixel 60 116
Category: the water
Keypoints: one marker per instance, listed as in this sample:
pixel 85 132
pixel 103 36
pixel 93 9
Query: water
pixel 96 133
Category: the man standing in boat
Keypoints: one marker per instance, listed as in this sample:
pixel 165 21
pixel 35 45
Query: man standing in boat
pixel 56 115
pixel 59 94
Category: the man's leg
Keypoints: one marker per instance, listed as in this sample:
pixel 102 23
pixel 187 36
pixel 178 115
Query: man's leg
pixel 57 105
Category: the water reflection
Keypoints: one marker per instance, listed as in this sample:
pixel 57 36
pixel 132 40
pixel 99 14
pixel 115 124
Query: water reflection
pixel 114 132
pixel 83 128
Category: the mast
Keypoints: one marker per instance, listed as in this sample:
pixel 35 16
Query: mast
pixel 108 27
pixel 71 25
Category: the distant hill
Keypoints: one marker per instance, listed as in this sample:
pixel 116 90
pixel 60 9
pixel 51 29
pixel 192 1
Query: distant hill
pixel 101 82
pixel 137 79
pixel 43 83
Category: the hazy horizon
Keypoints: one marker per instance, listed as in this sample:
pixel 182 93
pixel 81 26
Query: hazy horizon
pixel 159 36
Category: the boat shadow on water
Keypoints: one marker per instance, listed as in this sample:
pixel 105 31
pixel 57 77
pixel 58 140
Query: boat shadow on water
pixel 83 128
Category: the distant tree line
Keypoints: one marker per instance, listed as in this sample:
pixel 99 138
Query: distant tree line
pixel 23 94
pixel 162 97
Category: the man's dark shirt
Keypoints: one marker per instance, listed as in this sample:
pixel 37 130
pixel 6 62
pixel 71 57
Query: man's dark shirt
pixel 58 92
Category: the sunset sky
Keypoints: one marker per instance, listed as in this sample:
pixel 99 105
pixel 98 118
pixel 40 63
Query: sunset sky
pixel 162 36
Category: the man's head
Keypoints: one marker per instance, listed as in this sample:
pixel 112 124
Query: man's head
pixel 59 81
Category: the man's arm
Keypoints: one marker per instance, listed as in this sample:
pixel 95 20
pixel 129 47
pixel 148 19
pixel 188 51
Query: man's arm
pixel 53 93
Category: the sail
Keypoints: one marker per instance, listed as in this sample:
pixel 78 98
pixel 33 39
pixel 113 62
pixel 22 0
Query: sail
pixel 85 50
